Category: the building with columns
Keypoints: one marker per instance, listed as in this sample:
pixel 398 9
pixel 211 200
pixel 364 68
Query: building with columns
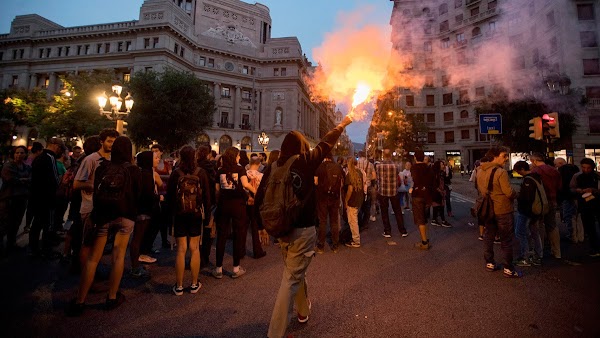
pixel 446 37
pixel 257 79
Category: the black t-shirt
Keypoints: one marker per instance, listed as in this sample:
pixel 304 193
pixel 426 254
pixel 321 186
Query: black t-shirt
pixel 358 195
pixel 230 183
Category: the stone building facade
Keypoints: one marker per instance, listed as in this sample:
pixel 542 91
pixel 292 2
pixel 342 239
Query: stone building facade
pixel 257 79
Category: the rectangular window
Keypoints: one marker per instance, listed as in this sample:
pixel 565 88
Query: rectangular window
pixel 79 49
pixel 459 19
pixel 154 42
pixel 492 26
pixel 431 137
pixel 430 100
pixel 457 3
pixel 146 43
pixel 410 100
pixel 252 71
pixel 147 69
pixel 126 77
pixel 449 136
pixel 464 114
pixel 420 118
pixel 128 46
pixel 245 70
pixel 275 71
pixel 41 53
pixel 430 117
pixel 591 67
pixel 465 134
pixel 182 52
pixel 60 50
pixel 246 95
pixel 107 47
pixel 592 92
pixel 550 21
pixel 225 92
pixel 585 12
pixel 283 71
pixel 448 116
pixel 98 48
pixel 427 46
pixel 202 61
pixel 445 43
pixel 594 123
pixel 479 92
pixel 445 80
pixel 447 98
pixel 211 62
pixel 588 39
pixel 444 26
pixel 119 46
pixel 460 37
pixel 553 45
pixel 245 121
pixel 429 81
pixel 87 49
pixel 224 119
pixel 463 96
pixel 492 4
pixel 1 56
pixel 176 49
pixel 21 53
pixel 46 82
pixel 67 50
pixel 15 80
pixel 475 11
pixel 48 52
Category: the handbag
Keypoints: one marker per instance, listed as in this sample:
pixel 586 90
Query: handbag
pixel 485 210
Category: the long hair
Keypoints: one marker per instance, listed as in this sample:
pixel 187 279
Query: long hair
pixel 353 173
pixel 121 150
pixel 230 157
pixel 244 158
pixel 202 154
pixel 187 156
pixel 273 156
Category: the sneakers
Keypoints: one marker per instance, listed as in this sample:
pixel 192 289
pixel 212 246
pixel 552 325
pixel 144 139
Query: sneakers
pixel 508 273
pixel 353 245
pixel 405 234
pixel 373 218
pixel 480 238
pixel 420 245
pixel 436 223
pixel 238 274
pixel 147 259
pixel 319 250
pixel 74 309
pixel 194 288
pixel 491 267
pixel 304 319
pixel 334 248
pixel 445 224
pixel 178 290
pixel 217 274
pixel 112 304
pixel 536 261
pixel 386 235
pixel 522 262
pixel 140 272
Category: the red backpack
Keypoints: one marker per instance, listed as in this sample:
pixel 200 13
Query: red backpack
pixel 65 187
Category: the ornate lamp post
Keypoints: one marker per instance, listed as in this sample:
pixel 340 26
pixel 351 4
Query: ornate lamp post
pixel 116 102
pixel 263 140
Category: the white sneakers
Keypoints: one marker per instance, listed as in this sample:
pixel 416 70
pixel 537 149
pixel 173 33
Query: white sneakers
pixel 147 259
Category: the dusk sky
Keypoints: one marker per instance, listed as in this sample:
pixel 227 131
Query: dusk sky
pixel 309 20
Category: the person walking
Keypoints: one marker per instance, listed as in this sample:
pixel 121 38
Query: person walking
pixel 439 195
pixel 422 196
pixel 14 194
pixel 328 178
pixel 387 176
pixel 353 199
pixel 298 247
pixel 502 194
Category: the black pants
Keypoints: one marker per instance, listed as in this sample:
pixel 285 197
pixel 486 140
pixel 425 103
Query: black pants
pixel 59 213
pixel 364 214
pixel 438 210
pixel 43 216
pixel 589 216
pixel 448 204
pixel 257 249
pixel 13 210
pixel 139 231
pixel 328 207
pixel 231 217
pixel 385 216
pixel 503 226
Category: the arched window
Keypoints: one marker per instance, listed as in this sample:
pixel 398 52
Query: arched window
pixel 443 9
pixel 224 143
pixel 246 143
pixel 203 140
pixel 476 32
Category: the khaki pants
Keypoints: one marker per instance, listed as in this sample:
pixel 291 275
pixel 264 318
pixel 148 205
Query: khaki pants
pixel 353 222
pixel 297 251
pixel 548 227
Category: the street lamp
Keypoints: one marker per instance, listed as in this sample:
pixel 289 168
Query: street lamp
pixel 263 140
pixel 116 103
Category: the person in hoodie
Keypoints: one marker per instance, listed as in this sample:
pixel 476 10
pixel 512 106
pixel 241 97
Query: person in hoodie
pixel 204 159
pixel 552 184
pixel 298 247
pixel 525 222
pixel 584 185
pixel 147 207
pixel 502 195
pixel 566 199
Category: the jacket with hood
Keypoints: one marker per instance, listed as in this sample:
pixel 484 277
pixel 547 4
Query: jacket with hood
pixel 551 180
pixel 502 192
pixel 149 199
pixel 527 194
pixel 302 170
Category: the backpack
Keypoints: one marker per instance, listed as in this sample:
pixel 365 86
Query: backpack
pixel 333 184
pixel 280 207
pixel 110 192
pixel 485 209
pixel 65 187
pixel 539 206
pixel 189 193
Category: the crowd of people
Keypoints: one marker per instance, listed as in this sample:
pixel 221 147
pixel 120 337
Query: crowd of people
pixel 198 197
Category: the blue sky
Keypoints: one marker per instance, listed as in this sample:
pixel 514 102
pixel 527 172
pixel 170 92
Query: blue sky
pixel 309 20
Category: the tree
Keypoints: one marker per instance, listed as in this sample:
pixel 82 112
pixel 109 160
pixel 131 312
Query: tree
pixel 171 108
pixel 20 107
pixel 515 120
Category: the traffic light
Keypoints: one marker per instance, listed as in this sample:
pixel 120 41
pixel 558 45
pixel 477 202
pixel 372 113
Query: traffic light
pixel 535 125
pixel 553 127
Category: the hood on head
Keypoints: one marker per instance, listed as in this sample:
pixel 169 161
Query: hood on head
pixel 145 159
pixel 294 143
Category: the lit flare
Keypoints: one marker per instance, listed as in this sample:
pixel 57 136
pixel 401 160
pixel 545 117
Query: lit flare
pixel 361 94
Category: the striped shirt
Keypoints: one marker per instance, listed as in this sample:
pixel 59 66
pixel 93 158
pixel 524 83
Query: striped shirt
pixel 387 175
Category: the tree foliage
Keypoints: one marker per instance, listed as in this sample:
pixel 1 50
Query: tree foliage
pixel 171 108
pixel 19 107
pixel 515 120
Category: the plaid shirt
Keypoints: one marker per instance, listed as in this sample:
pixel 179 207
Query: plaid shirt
pixel 387 175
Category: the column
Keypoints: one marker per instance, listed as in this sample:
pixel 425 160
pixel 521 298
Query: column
pixel 34 81
pixel 237 103
pixel 263 108
pixel 25 78
pixel 217 96
pixel 51 86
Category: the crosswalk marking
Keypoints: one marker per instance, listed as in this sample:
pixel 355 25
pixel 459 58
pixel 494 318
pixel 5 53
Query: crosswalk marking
pixel 456 197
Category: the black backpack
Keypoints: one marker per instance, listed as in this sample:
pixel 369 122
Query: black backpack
pixel 189 193
pixel 109 196
pixel 333 184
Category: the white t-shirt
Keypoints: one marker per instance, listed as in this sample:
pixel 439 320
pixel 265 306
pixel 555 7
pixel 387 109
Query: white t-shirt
pixel 86 174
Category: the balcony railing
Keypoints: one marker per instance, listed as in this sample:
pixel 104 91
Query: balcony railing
pixel 462 102
pixel 225 125
pixel 472 2
pixel 245 126
pixel 594 103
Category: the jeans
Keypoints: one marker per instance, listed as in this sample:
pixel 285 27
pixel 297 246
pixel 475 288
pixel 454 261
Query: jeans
pixel 43 216
pixel 549 228
pixel 404 199
pixel 385 217
pixel 524 226
pixel 504 227
pixel 328 208
pixel 353 221
pixel 372 191
pixel 569 209
pixel 297 251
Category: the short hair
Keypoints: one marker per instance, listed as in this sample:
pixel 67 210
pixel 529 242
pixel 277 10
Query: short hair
pixel 361 153
pixel 36 147
pixel 254 160
pixel 496 151
pixel 92 144
pixel 158 146
pixel 419 155
pixel 521 165
pixel 57 141
pixel 213 153
pixel 537 157
pixel 264 155
pixel 588 161
pixel 76 148
pixel 387 153
pixel 253 154
pixel 108 132
pixel 201 153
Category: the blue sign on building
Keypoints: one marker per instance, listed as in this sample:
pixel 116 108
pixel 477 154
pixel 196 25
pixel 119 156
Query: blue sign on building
pixel 490 124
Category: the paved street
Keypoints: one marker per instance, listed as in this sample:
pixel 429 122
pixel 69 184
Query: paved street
pixel 386 288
